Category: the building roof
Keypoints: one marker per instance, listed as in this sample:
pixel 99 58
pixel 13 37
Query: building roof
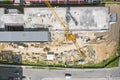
pixel 1 14
pixel 13 18
pixel 57 1
pixel 12 11
pixel 17 1
pixel 113 17
pixel 88 18
pixel 32 36
pixel 50 56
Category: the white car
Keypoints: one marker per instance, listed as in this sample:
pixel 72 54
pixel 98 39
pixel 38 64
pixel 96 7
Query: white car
pixel 68 75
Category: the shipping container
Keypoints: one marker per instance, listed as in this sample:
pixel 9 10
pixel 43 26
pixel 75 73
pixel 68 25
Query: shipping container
pixel 73 1
pixel 36 1
pixel 26 1
pixel 61 1
pixel 54 1
pixel 43 1
pixel 11 1
pixel 31 1
pixel 81 2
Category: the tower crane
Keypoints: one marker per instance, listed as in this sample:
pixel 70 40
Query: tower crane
pixel 69 36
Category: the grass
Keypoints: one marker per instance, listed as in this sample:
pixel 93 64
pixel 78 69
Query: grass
pixel 54 68
pixel 38 67
pixel 3 79
pixel 110 60
pixel 6 67
pixel 107 0
pixel 50 68
pixel 113 64
pixel 5 2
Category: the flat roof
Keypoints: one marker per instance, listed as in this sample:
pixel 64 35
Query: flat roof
pixel 88 18
pixel 2 10
pixel 13 18
pixel 32 36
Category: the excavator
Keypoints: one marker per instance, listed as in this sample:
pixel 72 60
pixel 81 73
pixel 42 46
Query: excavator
pixel 69 36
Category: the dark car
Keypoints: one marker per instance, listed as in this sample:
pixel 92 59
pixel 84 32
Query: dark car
pixel 23 76
pixel 10 78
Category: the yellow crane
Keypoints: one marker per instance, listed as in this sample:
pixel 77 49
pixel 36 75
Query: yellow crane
pixel 69 36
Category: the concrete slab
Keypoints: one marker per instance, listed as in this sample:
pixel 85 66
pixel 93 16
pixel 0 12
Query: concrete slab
pixel 81 18
pixel 1 14
pixel 88 18
pixel 12 18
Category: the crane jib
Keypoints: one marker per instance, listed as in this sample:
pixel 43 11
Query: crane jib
pixel 69 36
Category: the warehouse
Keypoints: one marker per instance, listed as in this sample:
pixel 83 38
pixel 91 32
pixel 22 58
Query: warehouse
pixel 42 36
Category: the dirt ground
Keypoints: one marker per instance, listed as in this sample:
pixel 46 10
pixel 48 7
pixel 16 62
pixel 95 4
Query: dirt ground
pixel 107 48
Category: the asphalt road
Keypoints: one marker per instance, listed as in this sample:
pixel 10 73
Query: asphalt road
pixel 77 74
pixel 10 72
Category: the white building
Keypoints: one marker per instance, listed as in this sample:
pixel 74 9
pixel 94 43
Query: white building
pixel 50 56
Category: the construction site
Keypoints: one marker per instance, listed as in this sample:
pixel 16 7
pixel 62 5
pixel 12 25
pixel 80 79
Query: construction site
pixel 59 35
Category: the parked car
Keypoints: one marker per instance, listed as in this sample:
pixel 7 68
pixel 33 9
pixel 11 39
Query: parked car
pixel 23 76
pixel 10 78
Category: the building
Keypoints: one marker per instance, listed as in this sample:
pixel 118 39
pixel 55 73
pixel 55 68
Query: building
pixel 12 11
pixel 113 18
pixel 63 1
pixel 10 56
pixel 12 28
pixel 32 36
pixel 6 56
pixel 50 56
pixel 87 18
pixel 93 1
